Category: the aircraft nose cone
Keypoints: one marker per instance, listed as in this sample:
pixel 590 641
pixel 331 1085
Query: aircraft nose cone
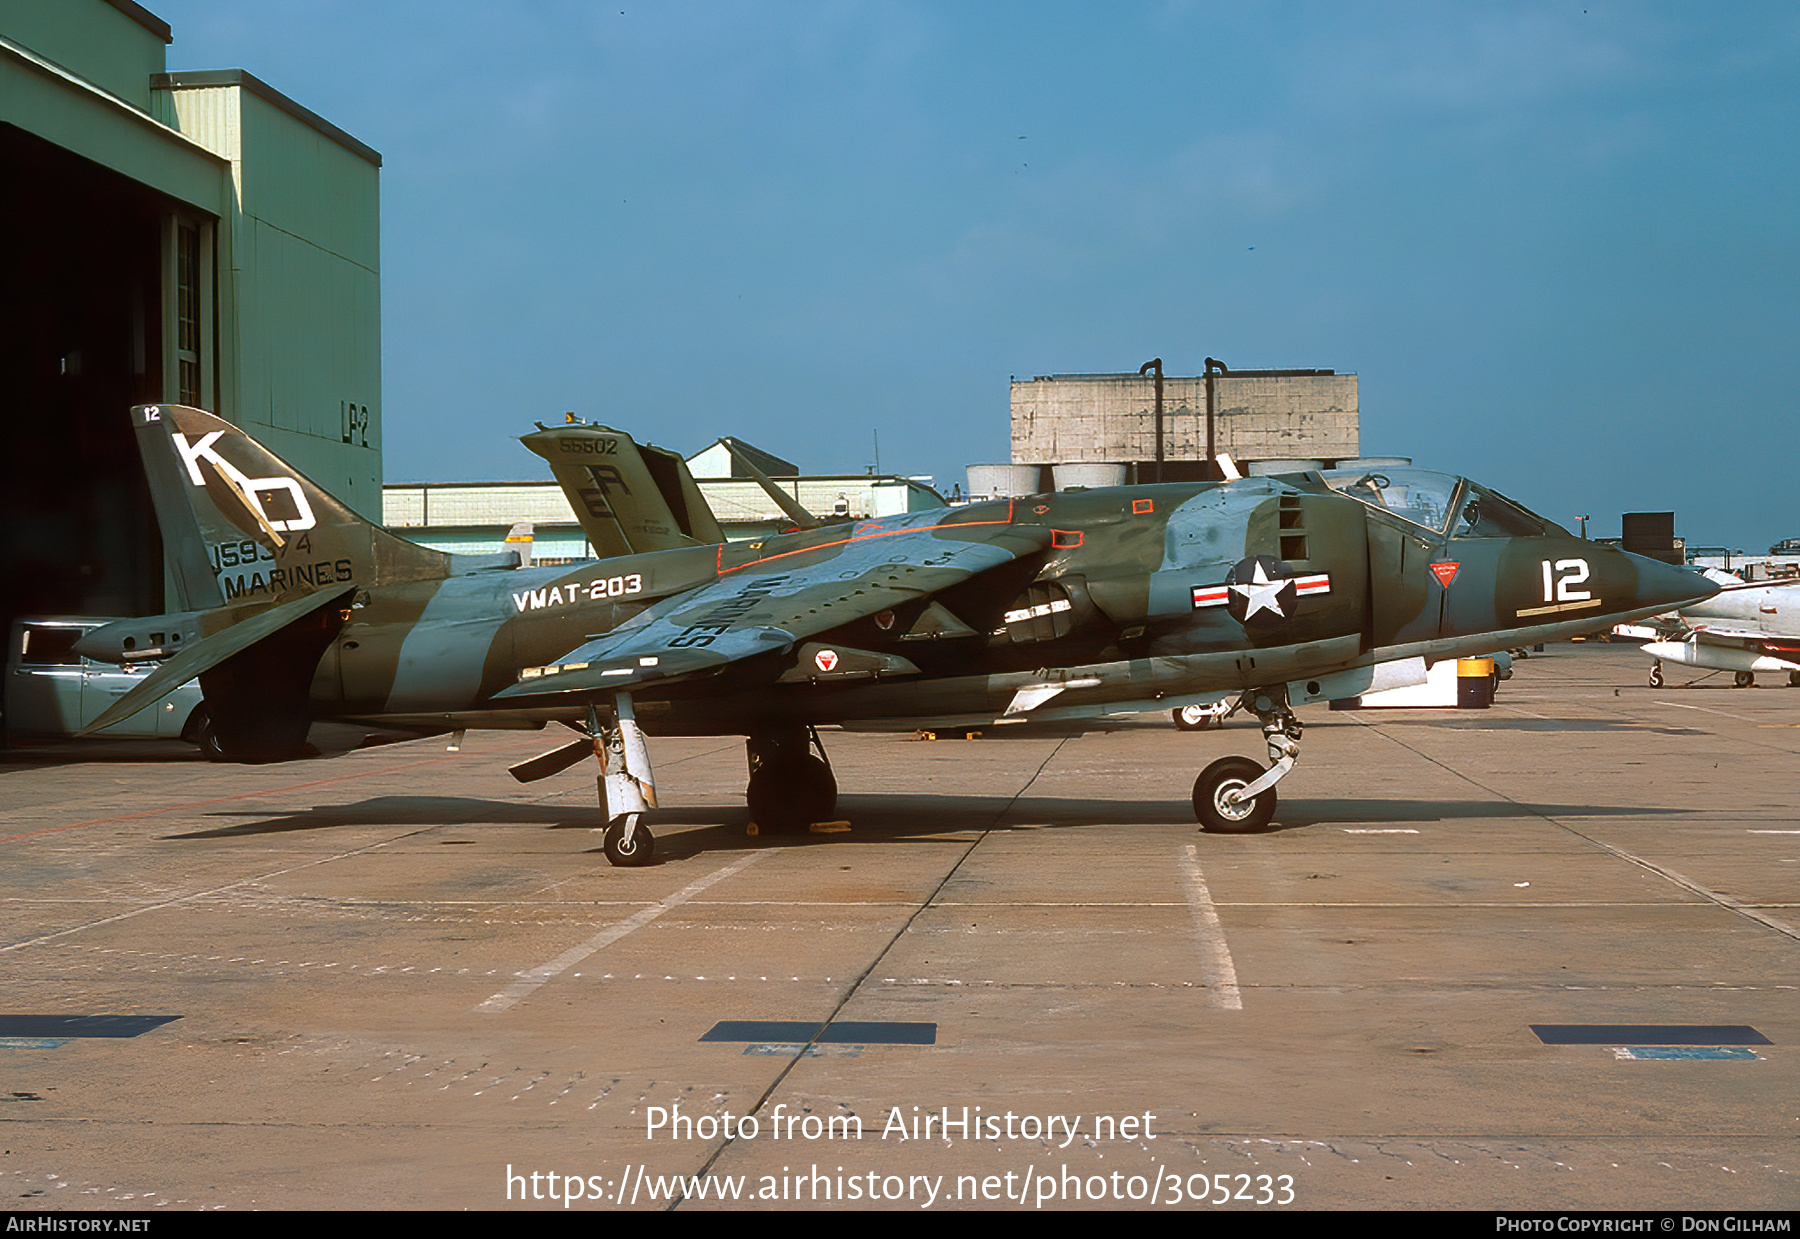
pixel 1666 586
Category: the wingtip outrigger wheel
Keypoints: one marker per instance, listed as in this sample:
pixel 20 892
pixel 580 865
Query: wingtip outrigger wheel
pixel 627 787
pixel 1234 795
pixel 628 841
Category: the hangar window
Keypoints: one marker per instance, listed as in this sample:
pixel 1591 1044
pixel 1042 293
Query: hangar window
pixel 187 312
pixel 187 308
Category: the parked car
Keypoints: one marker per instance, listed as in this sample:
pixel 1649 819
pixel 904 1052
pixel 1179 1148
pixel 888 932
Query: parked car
pixel 51 691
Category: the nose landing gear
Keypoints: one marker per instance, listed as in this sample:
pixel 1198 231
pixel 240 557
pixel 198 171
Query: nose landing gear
pixel 1234 795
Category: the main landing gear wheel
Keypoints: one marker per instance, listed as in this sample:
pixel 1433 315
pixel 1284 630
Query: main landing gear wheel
pixel 628 853
pixel 1743 679
pixel 790 792
pixel 1794 679
pixel 1193 718
pixel 206 738
pixel 1656 675
pixel 1215 808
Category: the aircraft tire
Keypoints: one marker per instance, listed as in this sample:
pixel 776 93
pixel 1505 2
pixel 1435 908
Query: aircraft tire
pixel 206 737
pixel 1656 676
pixel 1192 718
pixel 1744 679
pixel 1217 817
pixel 789 793
pixel 639 851
pixel 1794 679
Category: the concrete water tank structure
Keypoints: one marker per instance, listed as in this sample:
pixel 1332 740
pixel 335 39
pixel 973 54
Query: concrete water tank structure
pixel 1089 476
pixel 1277 415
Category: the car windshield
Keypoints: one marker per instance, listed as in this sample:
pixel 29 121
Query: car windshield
pixel 1417 495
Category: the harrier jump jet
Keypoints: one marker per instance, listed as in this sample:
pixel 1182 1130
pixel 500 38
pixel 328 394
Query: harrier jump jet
pixel 1276 590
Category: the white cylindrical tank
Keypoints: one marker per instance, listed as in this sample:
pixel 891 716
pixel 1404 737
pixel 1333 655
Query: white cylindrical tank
pixel 1263 468
pixel 1004 481
pixel 1088 476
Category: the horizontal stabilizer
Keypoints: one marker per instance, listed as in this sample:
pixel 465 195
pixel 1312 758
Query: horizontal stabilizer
pixel 209 652
pixel 786 502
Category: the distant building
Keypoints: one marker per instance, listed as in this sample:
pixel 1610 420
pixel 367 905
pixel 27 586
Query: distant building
pixel 188 237
pixel 1269 419
pixel 472 518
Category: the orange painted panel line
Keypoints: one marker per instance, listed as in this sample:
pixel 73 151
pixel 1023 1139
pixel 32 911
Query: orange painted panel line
pixel 721 569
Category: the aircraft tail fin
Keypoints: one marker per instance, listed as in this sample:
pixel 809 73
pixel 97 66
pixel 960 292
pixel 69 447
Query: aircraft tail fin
pixel 244 526
pixel 518 540
pixel 629 497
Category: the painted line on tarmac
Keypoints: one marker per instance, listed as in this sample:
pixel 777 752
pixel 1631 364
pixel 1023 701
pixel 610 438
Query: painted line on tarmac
pixel 550 970
pixel 1679 705
pixel 1221 984
pixel 1748 911
pixel 270 791
pixel 171 903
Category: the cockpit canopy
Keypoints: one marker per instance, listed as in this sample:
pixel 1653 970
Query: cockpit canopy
pixel 1441 503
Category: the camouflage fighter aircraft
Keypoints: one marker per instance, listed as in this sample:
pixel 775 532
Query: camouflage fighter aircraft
pixel 1278 590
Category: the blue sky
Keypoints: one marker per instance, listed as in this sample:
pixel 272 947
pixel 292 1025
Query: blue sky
pixel 1558 242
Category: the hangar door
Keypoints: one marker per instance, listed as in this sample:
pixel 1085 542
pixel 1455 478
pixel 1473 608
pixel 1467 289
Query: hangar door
pixel 106 302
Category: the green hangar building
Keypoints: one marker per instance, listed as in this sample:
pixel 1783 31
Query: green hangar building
pixel 190 237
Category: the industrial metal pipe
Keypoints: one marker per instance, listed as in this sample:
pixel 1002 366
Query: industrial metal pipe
pixel 1156 364
pixel 1212 450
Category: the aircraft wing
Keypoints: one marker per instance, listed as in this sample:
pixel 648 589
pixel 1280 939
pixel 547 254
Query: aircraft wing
pixel 766 607
pixel 1748 639
pixel 209 652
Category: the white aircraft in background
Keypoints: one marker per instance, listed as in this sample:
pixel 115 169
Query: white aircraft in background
pixel 1745 628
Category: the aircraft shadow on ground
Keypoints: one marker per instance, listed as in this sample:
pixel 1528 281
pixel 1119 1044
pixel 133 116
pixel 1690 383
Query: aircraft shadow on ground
pixel 1297 813
pixel 1490 723
pixel 407 811
pixel 890 819
pixel 933 819
pixel 89 752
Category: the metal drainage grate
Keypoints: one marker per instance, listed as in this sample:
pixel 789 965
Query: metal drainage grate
pixel 65 1026
pixel 1649 1034
pixel 804 1032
